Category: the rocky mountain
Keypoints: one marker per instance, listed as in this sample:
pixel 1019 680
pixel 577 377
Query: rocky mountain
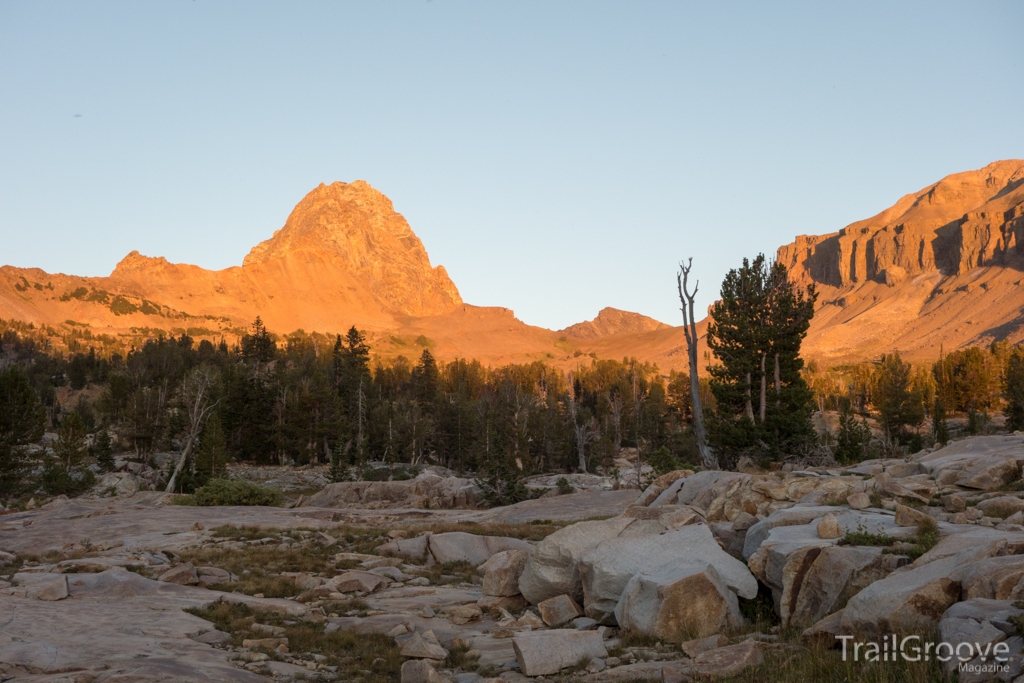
pixel 941 268
pixel 343 257
pixel 610 321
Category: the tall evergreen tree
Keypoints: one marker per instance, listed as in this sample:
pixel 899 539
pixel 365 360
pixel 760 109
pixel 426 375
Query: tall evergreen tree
pixel 212 457
pixel 899 406
pixel 22 420
pixel 763 404
pixel 1013 390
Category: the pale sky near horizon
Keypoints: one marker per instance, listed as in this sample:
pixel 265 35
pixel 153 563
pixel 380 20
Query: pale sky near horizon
pixel 555 157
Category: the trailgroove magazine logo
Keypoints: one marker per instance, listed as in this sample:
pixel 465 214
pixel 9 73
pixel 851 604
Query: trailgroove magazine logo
pixel 992 656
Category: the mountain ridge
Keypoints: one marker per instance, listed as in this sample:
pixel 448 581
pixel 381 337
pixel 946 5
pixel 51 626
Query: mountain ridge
pixel 942 267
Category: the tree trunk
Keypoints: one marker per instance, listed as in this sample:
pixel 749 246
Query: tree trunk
pixel 185 452
pixel 749 407
pixel 778 383
pixel 764 387
pixel 707 455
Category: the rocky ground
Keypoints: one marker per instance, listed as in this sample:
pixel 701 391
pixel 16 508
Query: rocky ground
pixel 740 575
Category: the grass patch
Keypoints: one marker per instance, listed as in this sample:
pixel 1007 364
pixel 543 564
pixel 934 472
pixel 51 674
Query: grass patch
pixel 451 573
pixel 826 666
pixel 527 532
pixel 1001 510
pixel 373 653
pixel 863 537
pixel 927 537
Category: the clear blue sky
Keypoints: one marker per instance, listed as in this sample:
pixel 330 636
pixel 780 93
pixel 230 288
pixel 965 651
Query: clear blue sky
pixel 556 157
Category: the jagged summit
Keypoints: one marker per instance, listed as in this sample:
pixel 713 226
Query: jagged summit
pixel 357 228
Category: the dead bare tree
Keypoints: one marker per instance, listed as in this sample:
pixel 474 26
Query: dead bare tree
pixel 195 397
pixel 708 458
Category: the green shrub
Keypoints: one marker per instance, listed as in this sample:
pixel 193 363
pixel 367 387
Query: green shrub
pixel 56 480
pixel 232 492
pixel 662 461
pixel 564 486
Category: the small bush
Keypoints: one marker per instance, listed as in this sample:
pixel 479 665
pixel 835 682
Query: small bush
pixel 55 481
pixel 564 486
pixel 863 537
pixel 662 461
pixel 232 492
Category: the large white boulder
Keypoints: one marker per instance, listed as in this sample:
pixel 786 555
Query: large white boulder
pixel 548 652
pixel 458 546
pixel 502 572
pixel 607 568
pixel 678 601
pixel 552 567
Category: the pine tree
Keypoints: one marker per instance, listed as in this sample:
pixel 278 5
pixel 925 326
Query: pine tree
pixel 70 447
pixel 212 457
pixel 899 406
pixel 339 466
pixel 852 439
pixel 763 404
pixel 940 430
pixel 103 449
pixel 1013 390
pixel 258 347
pixel 22 421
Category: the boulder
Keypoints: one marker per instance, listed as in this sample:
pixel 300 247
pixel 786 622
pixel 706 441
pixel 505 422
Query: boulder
pixel 994 578
pixel 183 575
pixel 728 661
pixel 607 568
pixel 793 516
pixel 659 485
pixel 908 516
pixel 909 601
pixel 678 600
pixel 559 610
pixel 548 652
pixel 858 500
pixel 409 548
pixel 50 589
pixel 982 625
pixel 828 527
pixel 552 567
pixel 692 648
pixel 128 485
pixel 423 646
pixel 463 614
pixel 459 546
pixel 835 575
pixel 987 462
pixel 350 582
pixel 1003 506
pixel 419 671
pixel 209 576
pixel 502 572
pixel 825 632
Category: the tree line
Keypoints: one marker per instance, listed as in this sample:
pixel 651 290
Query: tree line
pixel 310 398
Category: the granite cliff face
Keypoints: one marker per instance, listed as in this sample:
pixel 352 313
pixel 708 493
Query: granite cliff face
pixel 964 221
pixel 941 267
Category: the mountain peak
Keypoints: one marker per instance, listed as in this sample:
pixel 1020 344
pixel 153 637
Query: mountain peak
pixel 610 321
pixel 356 228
